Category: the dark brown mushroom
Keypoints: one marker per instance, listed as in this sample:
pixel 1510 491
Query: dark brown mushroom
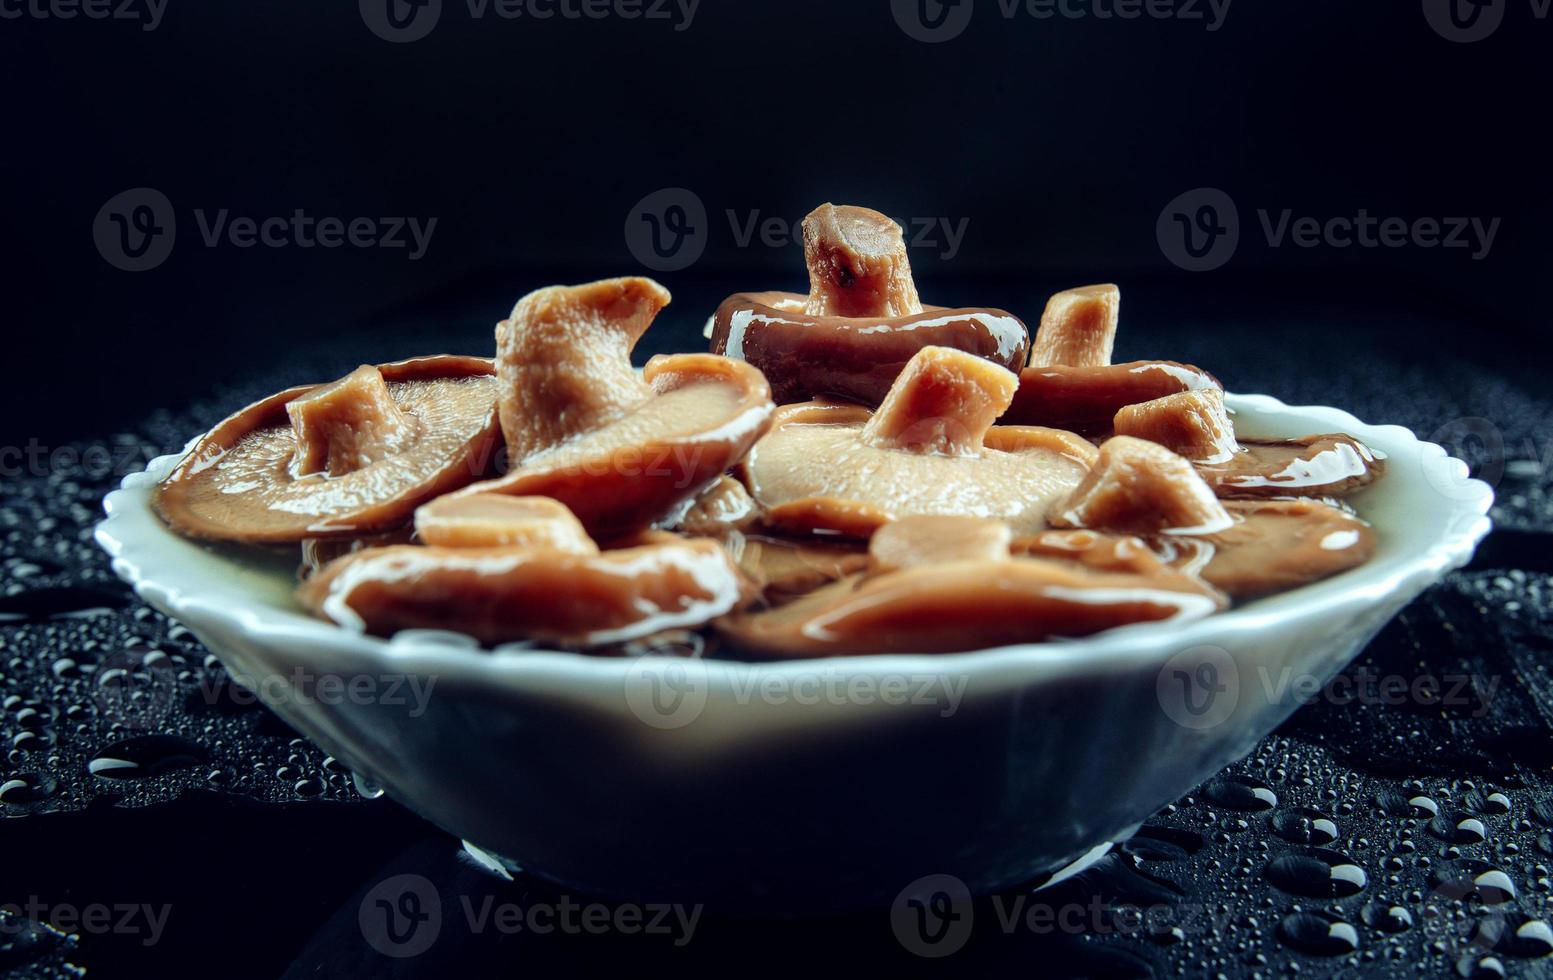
pixel 554 586
pixel 621 451
pixel 827 468
pixel 1196 425
pixel 943 584
pixel 346 459
pixel 861 320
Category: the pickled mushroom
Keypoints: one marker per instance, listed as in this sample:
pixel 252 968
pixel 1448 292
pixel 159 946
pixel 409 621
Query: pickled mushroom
pixel 345 459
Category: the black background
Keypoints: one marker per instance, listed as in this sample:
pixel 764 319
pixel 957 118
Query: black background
pixel 1059 141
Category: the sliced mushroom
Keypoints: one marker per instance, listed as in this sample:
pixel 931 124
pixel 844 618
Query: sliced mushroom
pixel 555 587
pixel 1196 425
pixel 861 320
pixel 1272 546
pixel 930 449
pixel 1282 544
pixel 493 520
pixel 1332 465
pixel 720 509
pixel 341 460
pixel 1140 487
pixel 942 584
pixel 620 451
pixel 786 568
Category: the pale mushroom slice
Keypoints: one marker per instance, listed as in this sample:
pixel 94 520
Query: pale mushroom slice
pixel 554 587
pixel 621 451
pixel 1140 487
pixel 861 320
pixel 1196 425
pixel 341 460
pixel 931 448
pixel 493 520
pixel 1078 327
pixel 943 584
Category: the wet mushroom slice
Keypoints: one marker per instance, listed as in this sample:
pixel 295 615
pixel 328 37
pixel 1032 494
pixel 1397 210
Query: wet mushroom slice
pixel 786 568
pixel 861 320
pixel 621 451
pixel 1140 487
pixel 493 520
pixel 931 448
pixel 1078 328
pixel 341 460
pixel 720 509
pixel 1276 545
pixel 1196 425
pixel 555 587
pixel 1086 399
pixel 941 584
pixel 1273 546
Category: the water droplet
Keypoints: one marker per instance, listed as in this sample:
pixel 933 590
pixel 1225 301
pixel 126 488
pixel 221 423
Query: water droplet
pixel 1303 825
pixel 1318 873
pixel 145 755
pixel 1386 917
pixel 1241 793
pixel 1318 933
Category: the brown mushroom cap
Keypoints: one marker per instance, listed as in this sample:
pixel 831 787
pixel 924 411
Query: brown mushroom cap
pixel 345 459
pixel 620 451
pixel 1086 399
pixel 942 584
pixel 1272 546
pixel 861 320
pixel 1312 466
pixel 930 449
pixel 555 587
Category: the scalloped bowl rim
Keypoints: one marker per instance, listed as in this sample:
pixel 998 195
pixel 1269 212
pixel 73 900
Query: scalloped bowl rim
pixel 128 535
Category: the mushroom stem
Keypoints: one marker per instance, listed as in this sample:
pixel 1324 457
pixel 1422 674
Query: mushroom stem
pixel 490 520
pixel 348 424
pixel 944 402
pixel 932 539
pixel 564 359
pixel 1078 328
pixel 1192 423
pixel 1140 487
pixel 857 264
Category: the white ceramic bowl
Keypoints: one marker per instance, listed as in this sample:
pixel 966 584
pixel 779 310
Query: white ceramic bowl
pixel 832 782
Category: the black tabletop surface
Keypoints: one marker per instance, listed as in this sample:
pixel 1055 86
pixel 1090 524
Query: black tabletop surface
pixel 1370 836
